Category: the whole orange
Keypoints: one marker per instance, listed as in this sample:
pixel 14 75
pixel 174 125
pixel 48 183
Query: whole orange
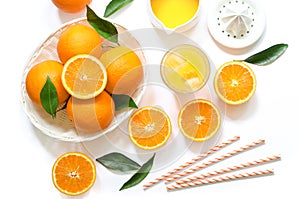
pixel 71 6
pixel 78 39
pixel 124 70
pixel 91 115
pixel 37 77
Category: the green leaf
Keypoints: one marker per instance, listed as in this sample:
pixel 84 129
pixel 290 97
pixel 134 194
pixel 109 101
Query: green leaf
pixel 140 175
pixel 123 101
pixel 105 28
pixel 114 6
pixel 268 55
pixel 49 97
pixel 118 162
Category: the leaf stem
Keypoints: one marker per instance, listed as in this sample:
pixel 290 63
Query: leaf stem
pixel 107 46
pixel 237 60
pixel 64 106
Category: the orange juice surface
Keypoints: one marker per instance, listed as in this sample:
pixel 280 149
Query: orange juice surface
pixel 173 13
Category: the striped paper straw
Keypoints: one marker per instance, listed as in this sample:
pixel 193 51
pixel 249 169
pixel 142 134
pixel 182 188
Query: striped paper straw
pixel 191 162
pixel 214 161
pixel 220 179
pixel 229 169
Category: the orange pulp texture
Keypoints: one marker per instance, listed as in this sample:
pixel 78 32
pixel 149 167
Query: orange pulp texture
pixel 199 120
pixel 235 82
pixel 73 173
pixel 149 127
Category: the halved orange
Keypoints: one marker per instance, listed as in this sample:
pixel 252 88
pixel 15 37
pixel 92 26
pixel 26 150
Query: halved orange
pixel 84 76
pixel 199 120
pixel 149 127
pixel 235 82
pixel 73 173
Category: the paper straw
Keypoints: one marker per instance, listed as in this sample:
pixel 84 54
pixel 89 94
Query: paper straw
pixel 229 169
pixel 220 179
pixel 191 162
pixel 214 161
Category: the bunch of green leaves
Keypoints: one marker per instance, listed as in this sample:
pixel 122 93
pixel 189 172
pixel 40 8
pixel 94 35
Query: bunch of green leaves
pixel 120 163
pixel 102 26
pixel 105 28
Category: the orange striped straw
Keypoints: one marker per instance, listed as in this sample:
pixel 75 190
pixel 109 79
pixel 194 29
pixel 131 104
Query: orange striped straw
pixel 220 179
pixel 214 161
pixel 229 169
pixel 191 162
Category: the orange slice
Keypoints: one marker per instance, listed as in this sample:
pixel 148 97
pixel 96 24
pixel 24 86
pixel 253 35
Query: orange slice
pixel 149 127
pixel 73 173
pixel 235 82
pixel 199 120
pixel 84 76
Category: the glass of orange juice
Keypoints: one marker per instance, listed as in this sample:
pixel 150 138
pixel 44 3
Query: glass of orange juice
pixel 185 68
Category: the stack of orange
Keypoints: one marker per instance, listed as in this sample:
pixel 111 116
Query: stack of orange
pixel 88 75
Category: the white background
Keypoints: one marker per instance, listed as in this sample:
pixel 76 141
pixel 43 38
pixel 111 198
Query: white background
pixel 27 155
